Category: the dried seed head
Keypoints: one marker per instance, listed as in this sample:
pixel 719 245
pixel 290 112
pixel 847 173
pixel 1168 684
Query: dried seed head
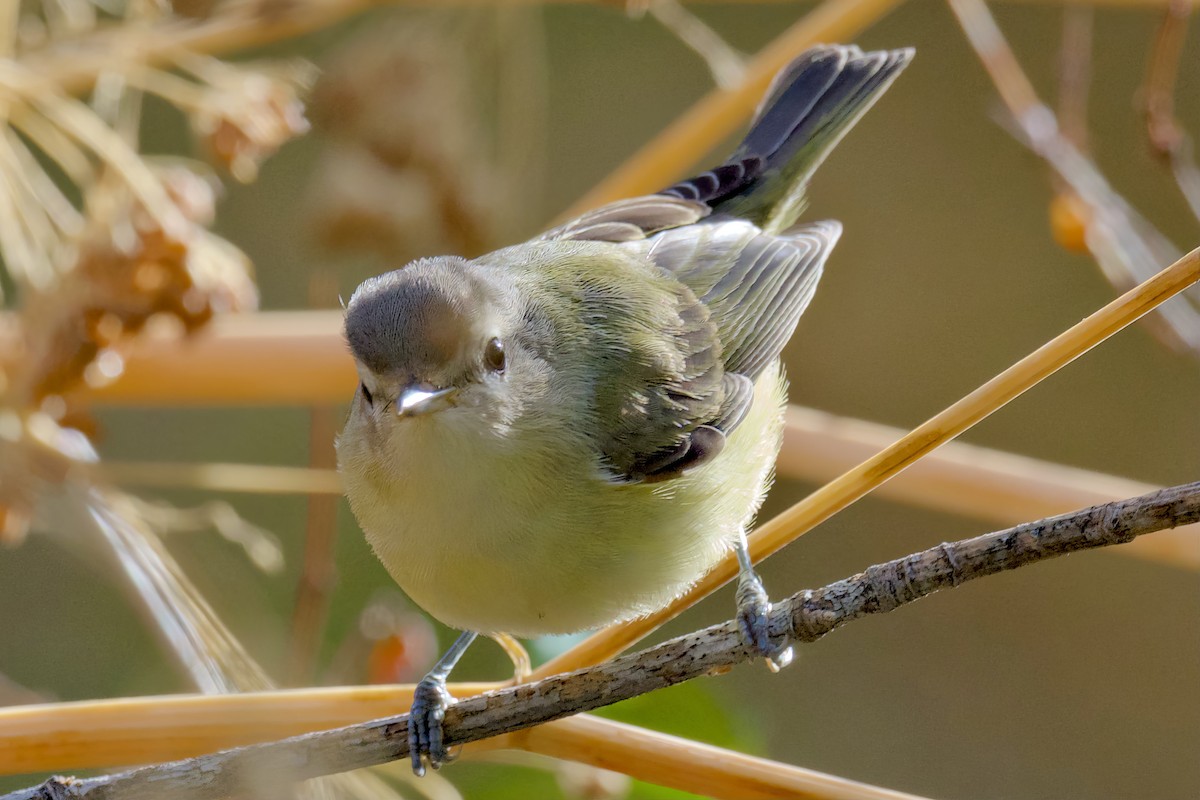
pixel 247 117
pixel 127 269
pixel 34 450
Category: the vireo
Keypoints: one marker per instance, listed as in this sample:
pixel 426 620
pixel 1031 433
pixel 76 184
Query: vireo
pixel 571 431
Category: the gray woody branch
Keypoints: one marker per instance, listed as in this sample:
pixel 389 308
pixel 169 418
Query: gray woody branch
pixel 804 617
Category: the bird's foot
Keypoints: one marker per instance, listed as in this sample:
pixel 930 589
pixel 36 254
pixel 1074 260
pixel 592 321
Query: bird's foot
pixel 425 744
pixel 754 609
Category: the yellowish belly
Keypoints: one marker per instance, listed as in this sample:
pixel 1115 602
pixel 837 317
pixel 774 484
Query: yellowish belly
pixel 484 544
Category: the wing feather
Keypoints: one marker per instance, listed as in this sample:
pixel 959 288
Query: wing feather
pixel 755 285
pixel 629 220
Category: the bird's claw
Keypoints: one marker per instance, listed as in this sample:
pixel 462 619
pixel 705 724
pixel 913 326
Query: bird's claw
pixel 425 744
pixel 754 609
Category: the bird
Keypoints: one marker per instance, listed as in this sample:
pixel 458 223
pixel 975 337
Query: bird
pixel 571 431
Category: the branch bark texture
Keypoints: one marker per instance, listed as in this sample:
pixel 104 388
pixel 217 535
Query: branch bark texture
pixel 804 617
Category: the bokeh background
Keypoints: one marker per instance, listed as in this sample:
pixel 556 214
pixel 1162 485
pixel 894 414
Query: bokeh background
pixel 1079 678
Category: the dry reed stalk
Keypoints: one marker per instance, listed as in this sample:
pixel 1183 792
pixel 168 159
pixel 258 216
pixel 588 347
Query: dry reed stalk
pixel 854 484
pixel 219 477
pixel 236 360
pixel 93 734
pixel 686 765
pixel 140 730
pixel 973 481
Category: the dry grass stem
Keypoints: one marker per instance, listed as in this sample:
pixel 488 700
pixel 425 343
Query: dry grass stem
pixel 804 617
pixel 218 477
pixel 854 484
pixel 140 730
pixel 686 765
pixel 70 736
pixel 74 64
pixel 235 360
pixel 976 482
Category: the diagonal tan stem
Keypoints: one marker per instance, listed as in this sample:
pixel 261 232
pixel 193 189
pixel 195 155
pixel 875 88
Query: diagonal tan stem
pixel 854 484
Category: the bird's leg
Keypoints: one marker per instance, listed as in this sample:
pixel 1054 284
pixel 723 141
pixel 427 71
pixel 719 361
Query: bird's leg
pixel 430 701
pixel 754 608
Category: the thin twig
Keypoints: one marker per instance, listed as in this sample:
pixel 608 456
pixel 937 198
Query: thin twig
pixel 1125 245
pixel 715 116
pixel 804 617
pixel 726 64
pixel 1166 133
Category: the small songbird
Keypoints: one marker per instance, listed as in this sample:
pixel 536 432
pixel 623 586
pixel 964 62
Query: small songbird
pixel 572 431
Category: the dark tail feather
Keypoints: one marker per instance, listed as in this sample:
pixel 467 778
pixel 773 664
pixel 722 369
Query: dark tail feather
pixel 811 105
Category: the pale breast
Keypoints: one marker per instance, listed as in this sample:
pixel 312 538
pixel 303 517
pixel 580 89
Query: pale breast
pixel 510 534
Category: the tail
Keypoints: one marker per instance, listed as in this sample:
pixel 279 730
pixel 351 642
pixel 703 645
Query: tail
pixel 811 105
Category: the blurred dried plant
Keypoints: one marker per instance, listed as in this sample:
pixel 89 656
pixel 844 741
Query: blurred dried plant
pixel 98 239
pixel 435 130
pixel 1087 214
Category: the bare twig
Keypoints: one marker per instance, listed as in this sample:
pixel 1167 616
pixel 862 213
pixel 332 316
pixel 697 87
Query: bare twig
pixel 804 617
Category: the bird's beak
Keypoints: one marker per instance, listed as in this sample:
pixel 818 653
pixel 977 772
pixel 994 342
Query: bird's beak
pixel 415 400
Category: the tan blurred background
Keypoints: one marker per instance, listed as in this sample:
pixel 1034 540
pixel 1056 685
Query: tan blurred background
pixel 1075 679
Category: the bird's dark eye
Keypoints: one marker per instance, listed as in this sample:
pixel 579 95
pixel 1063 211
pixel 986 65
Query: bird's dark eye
pixel 493 355
pixel 366 393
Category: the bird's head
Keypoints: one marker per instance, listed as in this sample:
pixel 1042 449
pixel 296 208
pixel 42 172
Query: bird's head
pixel 433 336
